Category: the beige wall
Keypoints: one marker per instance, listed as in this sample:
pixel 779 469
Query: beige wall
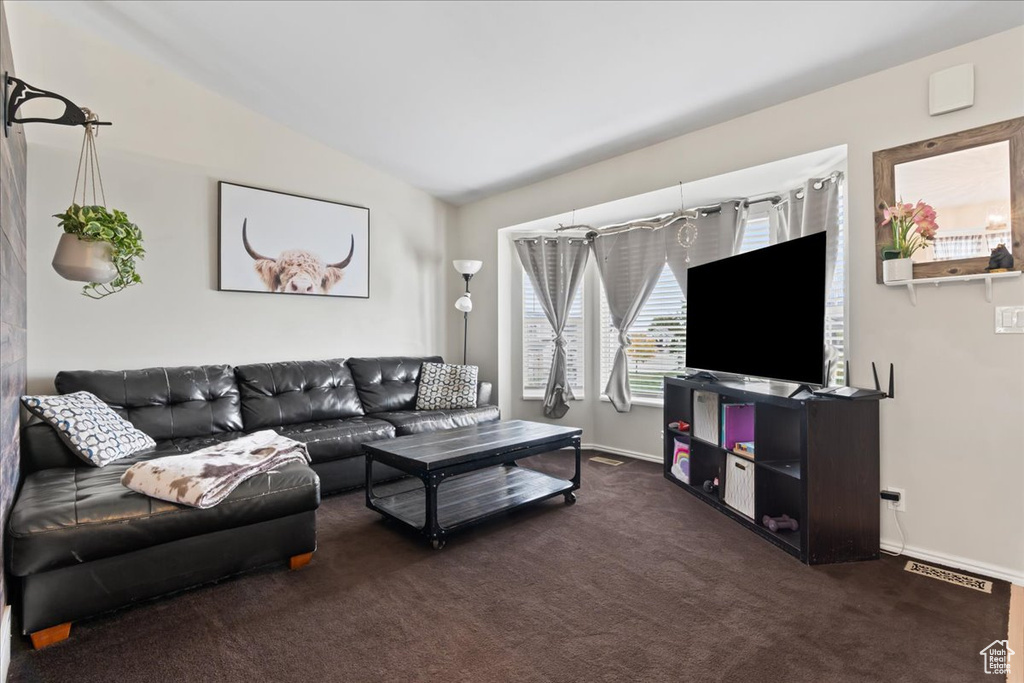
pixel 172 140
pixel 954 436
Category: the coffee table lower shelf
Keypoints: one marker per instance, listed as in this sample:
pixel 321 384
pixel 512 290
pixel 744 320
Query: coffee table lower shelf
pixel 471 497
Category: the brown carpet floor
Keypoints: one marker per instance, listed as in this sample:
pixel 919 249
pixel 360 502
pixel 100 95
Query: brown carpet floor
pixel 637 582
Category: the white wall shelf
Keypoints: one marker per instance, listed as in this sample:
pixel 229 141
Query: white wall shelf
pixel 912 285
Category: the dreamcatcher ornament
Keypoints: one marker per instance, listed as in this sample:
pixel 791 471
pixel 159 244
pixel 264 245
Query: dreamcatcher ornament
pixel 686 236
pixel 99 245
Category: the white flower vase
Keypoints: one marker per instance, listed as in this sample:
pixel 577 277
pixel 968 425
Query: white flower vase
pixel 84 260
pixel 897 270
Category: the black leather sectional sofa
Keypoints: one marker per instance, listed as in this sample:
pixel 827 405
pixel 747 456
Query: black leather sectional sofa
pixel 79 543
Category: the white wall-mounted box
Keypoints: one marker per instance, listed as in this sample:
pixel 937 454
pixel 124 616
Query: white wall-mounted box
pixel 951 89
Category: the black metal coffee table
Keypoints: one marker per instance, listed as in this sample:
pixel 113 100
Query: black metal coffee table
pixel 468 474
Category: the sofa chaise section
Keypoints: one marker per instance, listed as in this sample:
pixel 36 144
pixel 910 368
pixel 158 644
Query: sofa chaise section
pixel 79 543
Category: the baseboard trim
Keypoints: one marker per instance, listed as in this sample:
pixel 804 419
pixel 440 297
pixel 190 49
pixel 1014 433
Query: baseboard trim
pixel 956 562
pixel 621 451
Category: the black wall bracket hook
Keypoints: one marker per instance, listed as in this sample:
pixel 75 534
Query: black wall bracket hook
pixel 17 92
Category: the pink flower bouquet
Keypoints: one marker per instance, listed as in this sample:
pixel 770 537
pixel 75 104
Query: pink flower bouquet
pixel 913 227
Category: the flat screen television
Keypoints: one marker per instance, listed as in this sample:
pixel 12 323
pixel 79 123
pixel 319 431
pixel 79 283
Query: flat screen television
pixel 761 313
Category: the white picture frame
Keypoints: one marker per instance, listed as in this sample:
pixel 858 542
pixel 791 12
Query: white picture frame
pixel 275 242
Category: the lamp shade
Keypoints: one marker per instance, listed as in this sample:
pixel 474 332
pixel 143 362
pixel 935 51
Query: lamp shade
pixel 467 266
pixel 464 303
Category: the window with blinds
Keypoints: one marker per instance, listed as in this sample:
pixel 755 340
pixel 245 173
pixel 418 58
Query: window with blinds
pixel 538 347
pixel 659 336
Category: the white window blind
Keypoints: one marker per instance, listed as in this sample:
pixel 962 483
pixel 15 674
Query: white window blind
pixel 755 234
pixel 658 340
pixel 835 302
pixel 538 347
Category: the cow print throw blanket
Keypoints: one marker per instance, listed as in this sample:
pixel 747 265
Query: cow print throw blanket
pixel 206 477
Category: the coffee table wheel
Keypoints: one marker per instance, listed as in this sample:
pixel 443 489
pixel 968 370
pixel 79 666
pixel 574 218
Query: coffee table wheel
pixel 438 543
pixel 570 498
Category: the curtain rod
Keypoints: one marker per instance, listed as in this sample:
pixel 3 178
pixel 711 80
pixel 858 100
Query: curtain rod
pixel 666 219
pixel 550 239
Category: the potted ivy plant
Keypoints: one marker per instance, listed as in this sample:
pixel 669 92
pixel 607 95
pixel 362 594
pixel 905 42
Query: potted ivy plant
pixel 913 227
pixel 99 246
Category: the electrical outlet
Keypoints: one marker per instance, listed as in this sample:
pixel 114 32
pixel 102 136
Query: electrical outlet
pixel 901 504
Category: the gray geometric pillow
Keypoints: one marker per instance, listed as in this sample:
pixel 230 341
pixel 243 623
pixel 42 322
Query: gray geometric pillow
pixel 446 387
pixel 89 426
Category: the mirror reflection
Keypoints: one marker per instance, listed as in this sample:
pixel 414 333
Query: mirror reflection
pixel 970 191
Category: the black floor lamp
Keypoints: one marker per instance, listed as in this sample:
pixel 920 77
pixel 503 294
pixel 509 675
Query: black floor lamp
pixel 467 268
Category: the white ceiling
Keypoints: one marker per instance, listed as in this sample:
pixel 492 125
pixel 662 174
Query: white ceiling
pixel 467 99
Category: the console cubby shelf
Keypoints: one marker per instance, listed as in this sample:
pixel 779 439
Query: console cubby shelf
pixel 816 460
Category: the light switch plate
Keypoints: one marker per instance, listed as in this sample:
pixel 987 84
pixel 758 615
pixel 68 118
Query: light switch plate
pixel 1009 319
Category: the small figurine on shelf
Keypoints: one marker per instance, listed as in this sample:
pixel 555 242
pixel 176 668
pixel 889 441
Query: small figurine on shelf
pixel 1000 261
pixel 711 485
pixel 679 426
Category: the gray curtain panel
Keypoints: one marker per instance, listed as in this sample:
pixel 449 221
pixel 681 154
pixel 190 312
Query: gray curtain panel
pixel 776 223
pixel 555 267
pixel 630 264
pixel 815 211
pixel 718 235
pixel 791 212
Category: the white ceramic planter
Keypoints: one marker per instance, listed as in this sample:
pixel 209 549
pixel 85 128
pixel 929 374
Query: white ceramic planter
pixel 897 270
pixel 84 261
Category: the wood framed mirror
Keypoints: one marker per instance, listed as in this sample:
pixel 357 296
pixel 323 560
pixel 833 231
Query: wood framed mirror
pixel 975 181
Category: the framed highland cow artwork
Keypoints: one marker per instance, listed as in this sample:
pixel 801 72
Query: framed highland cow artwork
pixel 281 243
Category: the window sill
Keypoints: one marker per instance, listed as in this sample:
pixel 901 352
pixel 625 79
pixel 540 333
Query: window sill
pixel 645 401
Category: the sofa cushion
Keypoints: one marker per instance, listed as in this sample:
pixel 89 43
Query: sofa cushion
pixel 328 440
pixel 89 427
pixel 420 421
pixel 166 403
pixel 68 516
pixel 275 394
pixel 388 383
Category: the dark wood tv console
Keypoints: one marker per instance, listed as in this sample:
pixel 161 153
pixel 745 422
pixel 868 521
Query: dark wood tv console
pixel 815 460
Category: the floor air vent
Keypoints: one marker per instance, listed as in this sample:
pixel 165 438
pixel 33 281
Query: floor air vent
pixel 949 576
pixel 606 461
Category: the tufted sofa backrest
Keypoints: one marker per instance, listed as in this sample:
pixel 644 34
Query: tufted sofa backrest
pixel 388 383
pixel 166 403
pixel 275 394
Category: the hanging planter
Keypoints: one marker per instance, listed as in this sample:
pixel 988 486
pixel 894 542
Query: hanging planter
pixel 99 246
pixel 84 260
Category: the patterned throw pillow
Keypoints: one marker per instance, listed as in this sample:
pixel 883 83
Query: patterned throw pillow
pixel 89 426
pixel 444 387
